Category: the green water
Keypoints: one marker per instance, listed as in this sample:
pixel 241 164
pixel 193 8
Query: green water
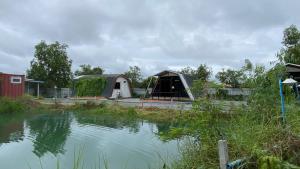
pixel 48 139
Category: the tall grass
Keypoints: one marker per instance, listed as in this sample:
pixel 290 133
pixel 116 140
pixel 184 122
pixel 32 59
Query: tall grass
pixel 21 105
pixel 9 106
pixel 255 135
pixel 102 163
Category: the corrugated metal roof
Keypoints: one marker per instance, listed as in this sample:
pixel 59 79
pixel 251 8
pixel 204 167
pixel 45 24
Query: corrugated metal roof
pixel 95 76
pixel 34 81
pixel 110 85
pixel 166 72
pixel 292 64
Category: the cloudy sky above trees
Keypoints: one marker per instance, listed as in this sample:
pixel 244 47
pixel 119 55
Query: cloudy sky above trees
pixel 153 34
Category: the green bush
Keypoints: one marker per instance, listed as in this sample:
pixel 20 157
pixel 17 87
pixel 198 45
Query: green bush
pixel 9 106
pixel 90 87
pixel 222 94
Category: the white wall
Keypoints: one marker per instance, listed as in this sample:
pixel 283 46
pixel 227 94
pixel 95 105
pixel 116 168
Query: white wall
pixel 124 88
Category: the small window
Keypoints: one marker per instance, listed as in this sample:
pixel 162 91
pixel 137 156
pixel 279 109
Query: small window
pixel 124 82
pixel 16 79
pixel 117 85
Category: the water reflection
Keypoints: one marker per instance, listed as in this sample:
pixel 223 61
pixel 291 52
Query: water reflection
pixel 50 133
pixel 121 140
pixel 116 122
pixel 129 122
pixel 11 129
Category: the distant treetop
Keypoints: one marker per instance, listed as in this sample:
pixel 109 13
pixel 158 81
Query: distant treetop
pixel 87 69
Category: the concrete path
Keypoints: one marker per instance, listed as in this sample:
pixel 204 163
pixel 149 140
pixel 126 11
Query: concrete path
pixel 159 104
pixel 135 102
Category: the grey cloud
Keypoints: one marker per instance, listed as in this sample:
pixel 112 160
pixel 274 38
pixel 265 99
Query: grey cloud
pixel 152 34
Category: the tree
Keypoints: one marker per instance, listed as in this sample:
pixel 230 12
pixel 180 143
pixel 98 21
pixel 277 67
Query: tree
pixel 51 64
pixel 88 70
pixel 243 77
pixel 290 53
pixel 134 74
pixel 145 82
pixel 189 71
pixel 291 36
pixel 200 78
pixel 248 67
pixel 230 77
pixel 203 73
pixel 198 88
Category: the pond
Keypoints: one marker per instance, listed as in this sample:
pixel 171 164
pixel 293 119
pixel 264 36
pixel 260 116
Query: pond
pixel 47 140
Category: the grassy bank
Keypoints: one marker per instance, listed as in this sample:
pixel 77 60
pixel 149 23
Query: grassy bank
pixel 25 104
pixel 251 134
pixel 150 114
pixel 254 132
pixel 9 106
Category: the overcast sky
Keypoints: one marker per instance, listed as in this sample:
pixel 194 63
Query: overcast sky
pixel 152 34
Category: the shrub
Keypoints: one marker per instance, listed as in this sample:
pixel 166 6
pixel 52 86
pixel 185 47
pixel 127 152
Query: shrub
pixel 9 106
pixel 222 94
pixel 90 87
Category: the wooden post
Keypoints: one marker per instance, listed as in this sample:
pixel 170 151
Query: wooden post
pixel 223 154
pixel 38 90
pixel 28 87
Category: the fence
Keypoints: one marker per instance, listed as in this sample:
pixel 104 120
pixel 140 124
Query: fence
pixel 222 93
pixel 51 92
pixel 141 91
pixel 59 93
pixel 231 91
pixel 236 94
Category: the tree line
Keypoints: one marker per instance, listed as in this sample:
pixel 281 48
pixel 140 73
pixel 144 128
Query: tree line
pixel 52 64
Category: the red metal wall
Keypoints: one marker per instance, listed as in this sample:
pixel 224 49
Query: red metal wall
pixel 9 89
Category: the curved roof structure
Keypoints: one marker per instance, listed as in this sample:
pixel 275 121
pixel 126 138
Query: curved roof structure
pixel 186 80
pixel 110 82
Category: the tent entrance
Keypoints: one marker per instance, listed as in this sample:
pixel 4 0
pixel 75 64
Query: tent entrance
pixel 169 87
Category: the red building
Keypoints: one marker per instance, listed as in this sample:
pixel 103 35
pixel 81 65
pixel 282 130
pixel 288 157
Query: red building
pixel 12 85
